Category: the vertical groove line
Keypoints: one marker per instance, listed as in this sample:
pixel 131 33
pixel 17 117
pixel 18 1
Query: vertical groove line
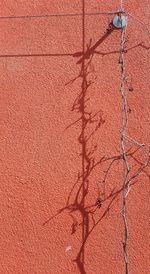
pixel 83 120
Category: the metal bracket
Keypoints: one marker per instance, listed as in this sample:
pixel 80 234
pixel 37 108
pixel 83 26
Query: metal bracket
pixel 120 21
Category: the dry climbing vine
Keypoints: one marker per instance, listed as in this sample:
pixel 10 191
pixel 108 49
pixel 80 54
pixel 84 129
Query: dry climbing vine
pixel 126 168
pixel 126 182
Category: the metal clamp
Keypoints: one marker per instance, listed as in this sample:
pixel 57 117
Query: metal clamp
pixel 120 21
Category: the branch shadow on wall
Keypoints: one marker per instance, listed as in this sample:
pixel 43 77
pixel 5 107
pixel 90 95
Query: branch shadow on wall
pixel 91 123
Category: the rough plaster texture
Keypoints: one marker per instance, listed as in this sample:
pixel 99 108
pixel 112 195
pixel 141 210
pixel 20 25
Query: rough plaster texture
pixel 40 148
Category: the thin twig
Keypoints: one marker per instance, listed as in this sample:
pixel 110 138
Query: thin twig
pixel 139 21
pixel 129 139
pixel 140 170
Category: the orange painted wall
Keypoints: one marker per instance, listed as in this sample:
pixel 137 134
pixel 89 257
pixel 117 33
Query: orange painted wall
pixel 52 162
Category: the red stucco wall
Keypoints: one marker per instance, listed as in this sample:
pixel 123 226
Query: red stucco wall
pixel 49 157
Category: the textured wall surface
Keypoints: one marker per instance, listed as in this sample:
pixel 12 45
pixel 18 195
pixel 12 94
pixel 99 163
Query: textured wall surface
pixel 59 137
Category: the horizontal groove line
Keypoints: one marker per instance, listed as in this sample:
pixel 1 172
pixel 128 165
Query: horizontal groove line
pixel 56 15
